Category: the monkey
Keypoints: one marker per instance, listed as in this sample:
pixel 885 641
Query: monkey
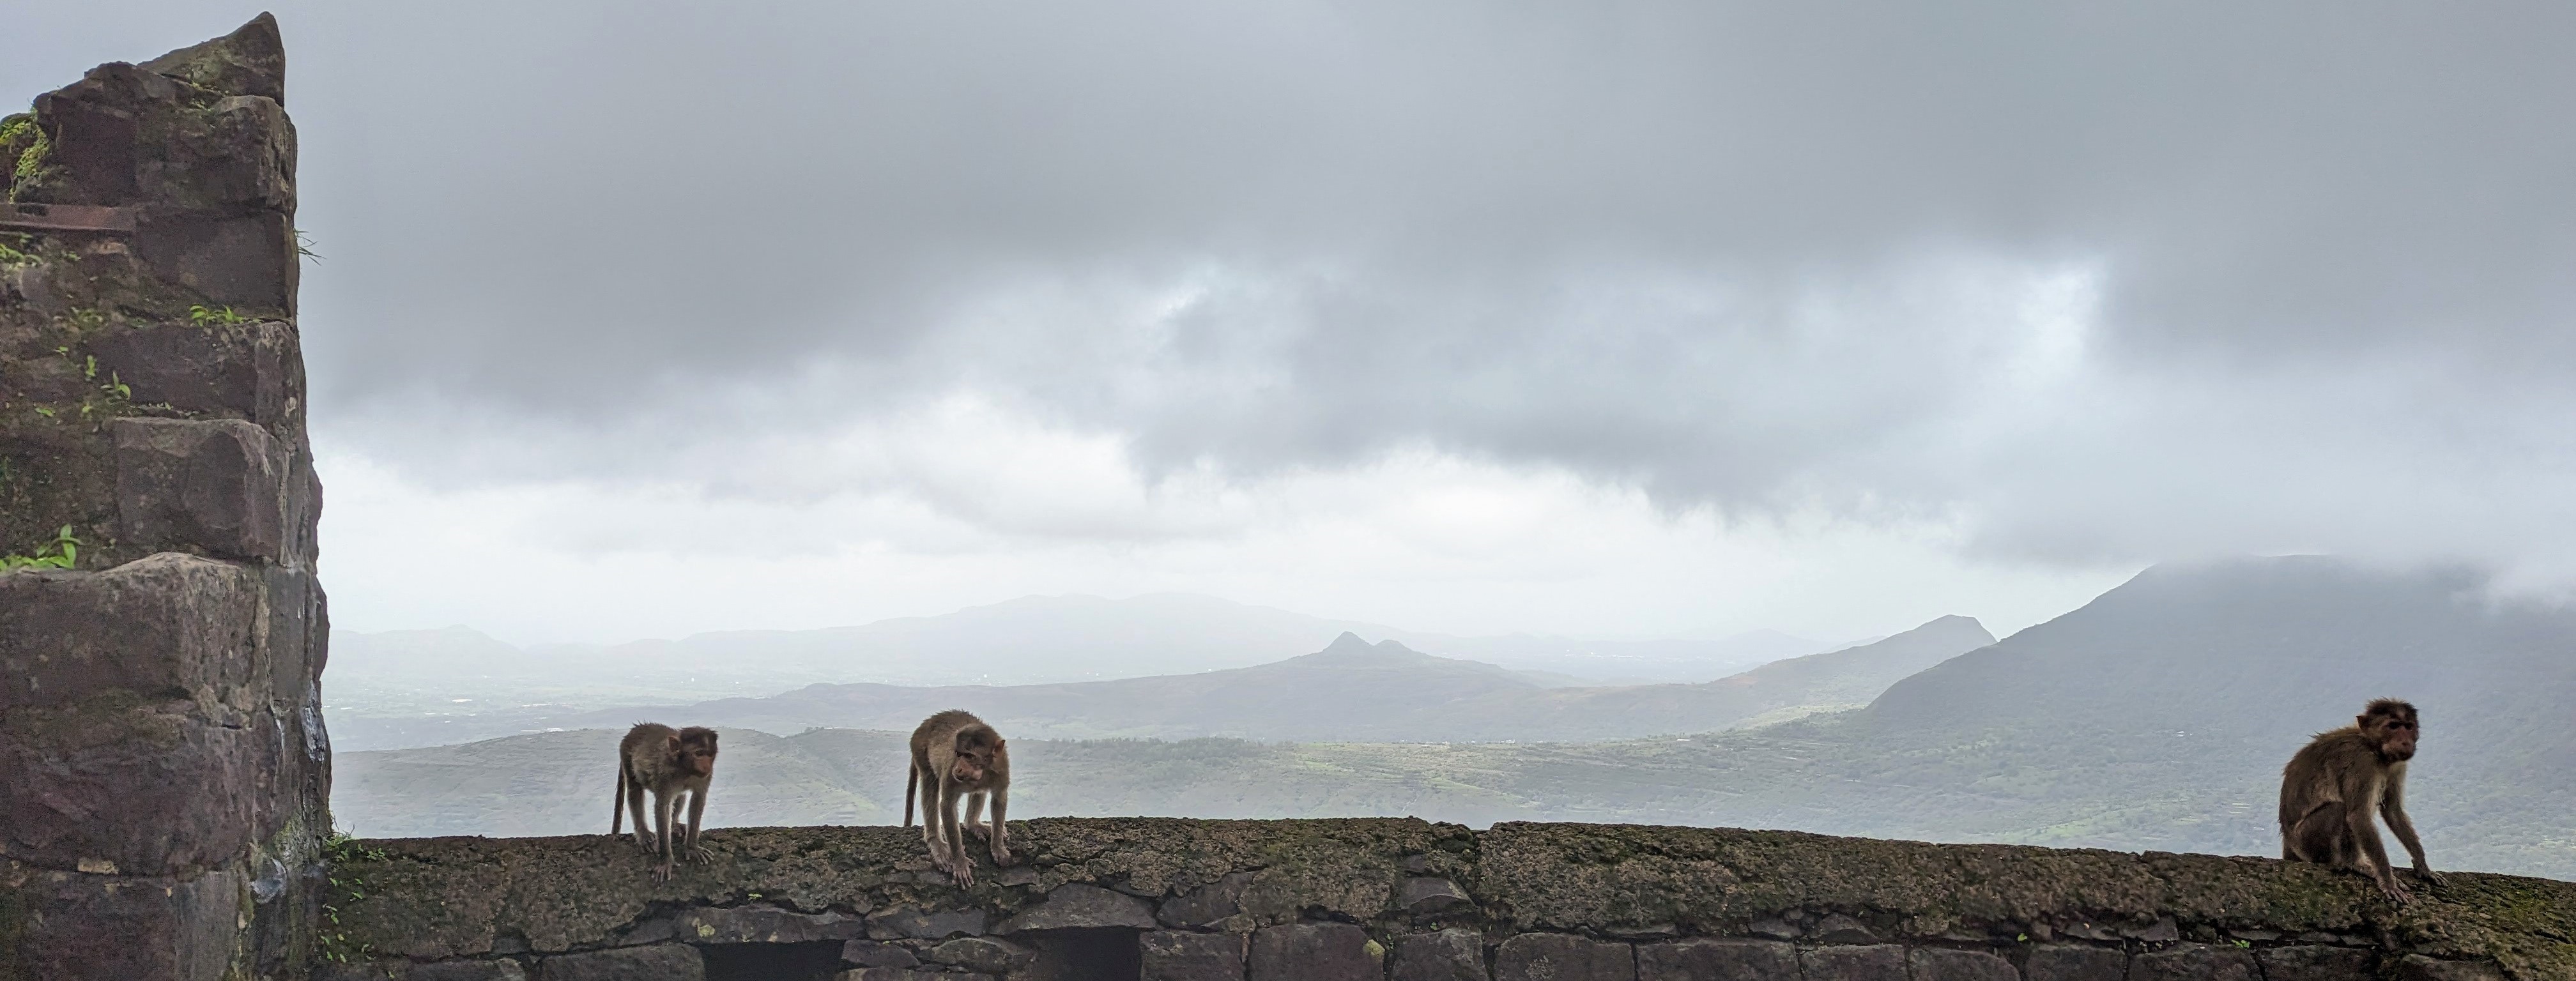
pixel 2331 788
pixel 670 763
pixel 954 754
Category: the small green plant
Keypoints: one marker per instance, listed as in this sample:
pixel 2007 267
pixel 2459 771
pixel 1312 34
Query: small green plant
pixel 61 554
pixel 206 316
pixel 12 256
pixel 304 245
pixel 340 848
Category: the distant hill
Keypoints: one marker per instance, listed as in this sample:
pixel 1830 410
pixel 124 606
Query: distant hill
pixel 1350 690
pixel 2156 717
pixel 431 679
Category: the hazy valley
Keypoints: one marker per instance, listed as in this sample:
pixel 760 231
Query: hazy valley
pixel 2155 717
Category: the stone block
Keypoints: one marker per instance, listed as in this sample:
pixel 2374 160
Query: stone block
pixel 660 962
pixel 1205 905
pixel 1943 964
pixel 105 926
pixel 901 974
pixel 2417 967
pixel 1076 906
pixel 1170 955
pixel 491 970
pixel 986 954
pixel 1563 957
pixel 2316 962
pixel 1840 929
pixel 1312 952
pixel 1860 962
pixel 246 261
pixel 219 485
pixel 1426 895
pixel 249 61
pixel 1716 960
pixel 252 371
pixel 70 776
pixel 168 626
pixel 1444 955
pixel 904 922
pixel 2073 962
pixel 870 953
pixel 761 924
pixel 2195 962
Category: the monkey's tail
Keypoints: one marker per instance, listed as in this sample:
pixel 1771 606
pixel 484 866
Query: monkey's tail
pixel 617 804
pixel 911 782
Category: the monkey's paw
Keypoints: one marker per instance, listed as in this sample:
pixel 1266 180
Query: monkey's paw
pixel 1002 857
pixel 979 831
pixel 662 872
pixel 699 855
pixel 2428 875
pixel 963 873
pixel 2396 892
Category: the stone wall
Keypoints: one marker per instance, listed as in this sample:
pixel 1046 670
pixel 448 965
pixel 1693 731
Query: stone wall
pixel 1341 900
pixel 164 771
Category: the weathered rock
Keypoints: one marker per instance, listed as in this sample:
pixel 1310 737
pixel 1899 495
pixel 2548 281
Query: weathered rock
pixel 1563 957
pixel 1868 962
pixel 165 627
pixel 247 261
pixel 1312 952
pixel 2194 962
pixel 2069 962
pixel 1716 960
pixel 491 970
pixel 1171 955
pixel 870 953
pixel 911 923
pixel 986 954
pixel 249 61
pixel 252 371
pixel 761 924
pixel 661 962
pixel 69 774
pixel 218 485
pixel 1424 895
pixel 1207 904
pixel 106 926
pixel 1074 905
pixel 1443 955
pixel 2314 962
pixel 2417 967
pixel 1941 964
pixel 900 974
pixel 1840 929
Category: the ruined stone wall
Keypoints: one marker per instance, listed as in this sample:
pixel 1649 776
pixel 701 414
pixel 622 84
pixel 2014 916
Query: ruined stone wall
pixel 1407 900
pixel 164 773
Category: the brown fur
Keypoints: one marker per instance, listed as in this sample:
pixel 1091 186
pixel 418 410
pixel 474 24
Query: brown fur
pixel 954 755
pixel 2332 789
pixel 669 763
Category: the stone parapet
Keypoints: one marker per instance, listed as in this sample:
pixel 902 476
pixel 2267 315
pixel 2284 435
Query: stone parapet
pixel 1186 900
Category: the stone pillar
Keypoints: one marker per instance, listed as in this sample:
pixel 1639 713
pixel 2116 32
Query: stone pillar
pixel 164 773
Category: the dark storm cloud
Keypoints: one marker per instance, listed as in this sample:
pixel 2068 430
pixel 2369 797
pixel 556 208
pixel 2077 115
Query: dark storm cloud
pixel 1733 253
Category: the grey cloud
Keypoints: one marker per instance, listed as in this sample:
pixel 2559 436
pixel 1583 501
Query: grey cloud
pixel 1735 253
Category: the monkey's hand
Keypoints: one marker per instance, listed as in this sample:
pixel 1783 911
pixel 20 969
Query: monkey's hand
pixel 2396 891
pixel 963 872
pixel 1002 857
pixel 662 872
pixel 698 855
pixel 979 830
pixel 2427 874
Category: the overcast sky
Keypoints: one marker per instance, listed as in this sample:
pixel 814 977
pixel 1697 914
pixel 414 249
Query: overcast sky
pixel 1610 319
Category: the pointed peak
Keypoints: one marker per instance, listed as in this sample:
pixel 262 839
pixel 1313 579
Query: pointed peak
pixel 1348 643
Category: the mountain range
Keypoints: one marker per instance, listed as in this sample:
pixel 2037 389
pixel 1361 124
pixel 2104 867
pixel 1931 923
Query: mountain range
pixel 1350 690
pixel 413 675
pixel 2155 717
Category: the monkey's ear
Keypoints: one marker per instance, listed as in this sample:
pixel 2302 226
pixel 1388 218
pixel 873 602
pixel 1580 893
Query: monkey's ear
pixel 999 742
pixel 675 740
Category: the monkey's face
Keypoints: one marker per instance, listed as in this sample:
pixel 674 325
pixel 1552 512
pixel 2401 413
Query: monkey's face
pixel 699 760
pixel 970 766
pixel 2394 733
